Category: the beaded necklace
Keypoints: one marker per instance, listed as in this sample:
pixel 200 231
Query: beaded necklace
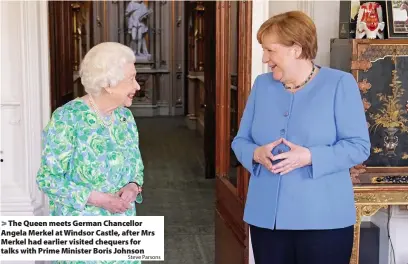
pixel 98 113
pixel 306 81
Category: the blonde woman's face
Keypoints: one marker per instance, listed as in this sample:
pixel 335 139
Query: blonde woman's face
pixel 125 90
pixel 278 57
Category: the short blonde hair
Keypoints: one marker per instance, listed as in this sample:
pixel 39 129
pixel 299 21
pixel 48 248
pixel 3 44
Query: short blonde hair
pixel 103 66
pixel 294 27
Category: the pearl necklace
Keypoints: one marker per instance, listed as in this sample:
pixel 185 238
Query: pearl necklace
pixel 98 113
pixel 306 81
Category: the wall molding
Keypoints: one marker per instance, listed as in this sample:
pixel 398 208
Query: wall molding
pixel 10 104
pixel 307 7
pixel 257 66
pixel 33 87
pixel 13 195
pixel 27 44
pixel 396 212
pixel 38 88
pixel 31 93
pixel 44 63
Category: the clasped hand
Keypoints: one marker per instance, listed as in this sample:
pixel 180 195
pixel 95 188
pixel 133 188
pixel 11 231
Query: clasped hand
pixel 129 192
pixel 118 202
pixel 296 157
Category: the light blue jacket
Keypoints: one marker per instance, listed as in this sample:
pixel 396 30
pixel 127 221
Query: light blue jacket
pixel 327 116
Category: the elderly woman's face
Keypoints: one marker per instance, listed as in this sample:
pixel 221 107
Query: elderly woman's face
pixel 279 57
pixel 125 90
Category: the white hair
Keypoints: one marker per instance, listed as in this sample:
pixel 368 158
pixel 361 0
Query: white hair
pixel 103 66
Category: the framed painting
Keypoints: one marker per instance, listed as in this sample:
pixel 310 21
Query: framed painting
pixel 397 18
pixel 381 70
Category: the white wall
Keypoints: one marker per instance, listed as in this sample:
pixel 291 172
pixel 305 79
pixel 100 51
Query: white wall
pixel 24 103
pixel 398 234
pixel 327 28
pixel 260 14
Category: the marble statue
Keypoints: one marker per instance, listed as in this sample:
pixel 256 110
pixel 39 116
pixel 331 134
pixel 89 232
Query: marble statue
pixel 137 13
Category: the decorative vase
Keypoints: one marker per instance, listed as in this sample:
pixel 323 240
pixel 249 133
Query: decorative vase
pixel 390 141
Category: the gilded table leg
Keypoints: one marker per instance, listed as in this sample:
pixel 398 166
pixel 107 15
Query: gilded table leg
pixel 356 241
pixel 362 210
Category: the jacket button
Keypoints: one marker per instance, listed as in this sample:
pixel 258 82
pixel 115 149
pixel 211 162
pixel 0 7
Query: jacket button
pixel 286 113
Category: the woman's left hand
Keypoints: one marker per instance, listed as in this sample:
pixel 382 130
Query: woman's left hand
pixel 296 157
pixel 129 192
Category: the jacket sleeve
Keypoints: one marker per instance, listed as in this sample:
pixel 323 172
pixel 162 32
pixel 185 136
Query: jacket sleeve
pixel 243 145
pixel 353 142
pixel 56 155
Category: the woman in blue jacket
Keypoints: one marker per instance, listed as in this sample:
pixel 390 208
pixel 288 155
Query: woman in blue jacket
pixel 302 130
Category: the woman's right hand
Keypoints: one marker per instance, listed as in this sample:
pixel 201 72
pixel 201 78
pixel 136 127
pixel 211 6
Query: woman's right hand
pixel 263 154
pixel 110 202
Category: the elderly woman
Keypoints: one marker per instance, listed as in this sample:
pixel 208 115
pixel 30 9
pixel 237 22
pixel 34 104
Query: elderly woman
pixel 302 130
pixel 91 163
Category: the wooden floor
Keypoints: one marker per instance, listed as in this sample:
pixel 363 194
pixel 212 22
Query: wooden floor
pixel 176 188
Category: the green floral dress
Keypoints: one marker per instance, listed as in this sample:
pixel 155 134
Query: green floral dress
pixel 80 154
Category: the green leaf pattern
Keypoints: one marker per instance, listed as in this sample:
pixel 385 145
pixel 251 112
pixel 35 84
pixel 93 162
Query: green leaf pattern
pixel 80 155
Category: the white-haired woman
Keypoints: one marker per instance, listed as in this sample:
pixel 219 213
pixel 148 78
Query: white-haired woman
pixel 91 163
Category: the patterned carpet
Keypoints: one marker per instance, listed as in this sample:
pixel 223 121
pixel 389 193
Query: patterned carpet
pixel 176 188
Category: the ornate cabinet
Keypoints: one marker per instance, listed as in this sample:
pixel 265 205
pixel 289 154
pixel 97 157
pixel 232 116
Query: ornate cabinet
pixel 380 68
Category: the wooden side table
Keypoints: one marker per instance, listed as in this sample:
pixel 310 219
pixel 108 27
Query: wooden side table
pixel 369 198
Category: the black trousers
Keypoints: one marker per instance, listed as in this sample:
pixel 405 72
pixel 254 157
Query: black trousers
pixel 302 246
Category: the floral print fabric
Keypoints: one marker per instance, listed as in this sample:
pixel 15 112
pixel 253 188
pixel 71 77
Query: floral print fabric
pixel 80 155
